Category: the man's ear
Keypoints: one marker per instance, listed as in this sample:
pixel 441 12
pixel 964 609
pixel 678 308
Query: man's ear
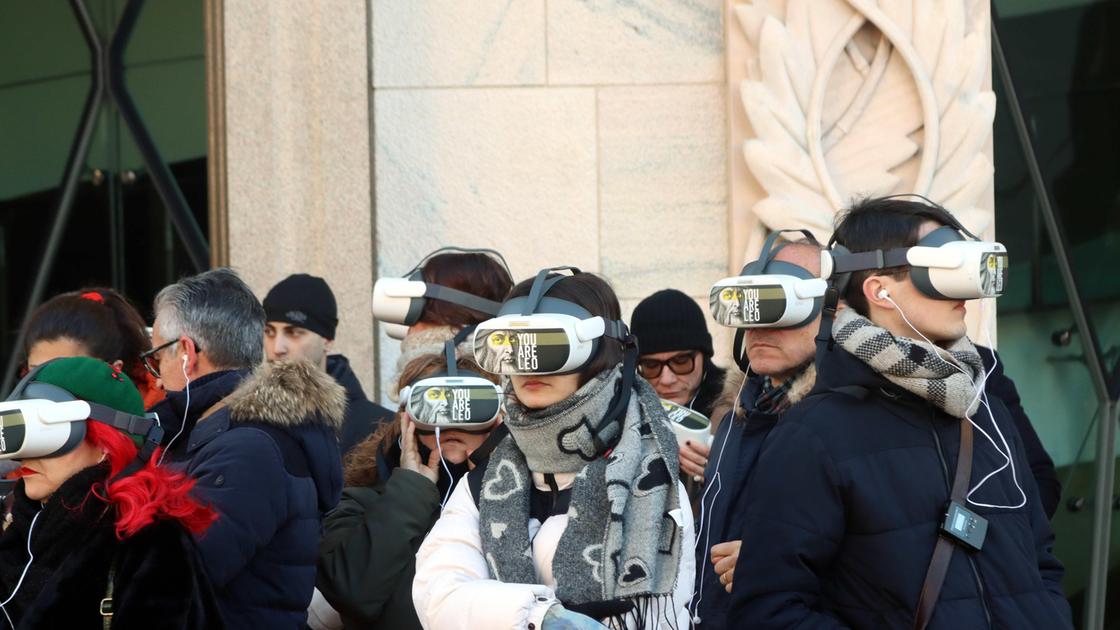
pixel 873 288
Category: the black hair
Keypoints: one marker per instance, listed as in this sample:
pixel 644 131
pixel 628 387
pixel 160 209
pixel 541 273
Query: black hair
pixel 106 325
pixel 597 297
pixel 882 223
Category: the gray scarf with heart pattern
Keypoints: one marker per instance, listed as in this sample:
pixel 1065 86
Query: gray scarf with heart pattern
pixel 622 541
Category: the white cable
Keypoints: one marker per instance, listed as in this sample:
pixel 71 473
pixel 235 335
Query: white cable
pixel 979 393
pixel 30 559
pixel 450 480
pixel 186 409
pixel 718 483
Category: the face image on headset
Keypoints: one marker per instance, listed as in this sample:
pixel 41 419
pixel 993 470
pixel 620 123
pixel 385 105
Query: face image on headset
pixel 434 406
pixel 993 273
pixel 727 305
pixel 499 353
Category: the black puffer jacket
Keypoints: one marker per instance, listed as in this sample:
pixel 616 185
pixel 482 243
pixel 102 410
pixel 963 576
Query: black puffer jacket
pixel 843 507
pixel 158 578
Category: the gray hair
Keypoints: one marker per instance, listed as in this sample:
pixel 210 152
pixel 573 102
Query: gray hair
pixel 219 312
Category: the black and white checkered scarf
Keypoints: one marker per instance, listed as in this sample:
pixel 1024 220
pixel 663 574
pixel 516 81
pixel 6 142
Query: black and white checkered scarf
pixel 914 365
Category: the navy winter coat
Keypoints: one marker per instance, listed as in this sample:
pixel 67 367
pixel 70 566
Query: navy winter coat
pixel 362 416
pixel 265 454
pixel 843 507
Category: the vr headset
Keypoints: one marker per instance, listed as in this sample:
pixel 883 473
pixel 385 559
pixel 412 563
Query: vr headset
pixel 949 263
pixel 43 420
pixel 535 334
pixel 688 424
pixel 456 399
pixel 768 293
pixel 401 300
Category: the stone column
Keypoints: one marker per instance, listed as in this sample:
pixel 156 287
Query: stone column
pixel 557 132
pixel 830 100
pixel 296 132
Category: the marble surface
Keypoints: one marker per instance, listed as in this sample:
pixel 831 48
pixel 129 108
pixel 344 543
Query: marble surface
pixel 634 42
pixel 451 43
pixel 663 188
pixel 298 125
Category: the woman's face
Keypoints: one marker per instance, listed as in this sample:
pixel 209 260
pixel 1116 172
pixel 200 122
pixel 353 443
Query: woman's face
pixel 537 391
pixel 42 477
pixel 456 446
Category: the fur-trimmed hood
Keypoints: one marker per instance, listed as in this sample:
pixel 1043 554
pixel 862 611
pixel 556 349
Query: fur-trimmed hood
pixel 733 384
pixel 289 393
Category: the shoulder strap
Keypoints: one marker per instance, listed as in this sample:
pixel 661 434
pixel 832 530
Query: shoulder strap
pixel 474 481
pixel 943 552
pixel 106 608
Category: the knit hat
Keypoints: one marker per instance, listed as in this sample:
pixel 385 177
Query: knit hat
pixel 93 380
pixel 305 301
pixel 670 320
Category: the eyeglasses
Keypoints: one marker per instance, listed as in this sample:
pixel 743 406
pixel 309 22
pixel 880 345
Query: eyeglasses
pixel 679 364
pixel 151 360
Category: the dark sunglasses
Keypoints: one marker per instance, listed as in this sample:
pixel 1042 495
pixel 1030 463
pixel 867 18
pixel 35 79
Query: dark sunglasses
pixel 151 361
pixel 679 364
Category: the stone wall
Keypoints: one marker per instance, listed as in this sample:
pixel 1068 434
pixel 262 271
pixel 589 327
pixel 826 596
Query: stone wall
pixel 590 133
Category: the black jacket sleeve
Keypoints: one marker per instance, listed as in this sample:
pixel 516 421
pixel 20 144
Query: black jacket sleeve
pixel 792 530
pixel 1042 467
pixel 370 541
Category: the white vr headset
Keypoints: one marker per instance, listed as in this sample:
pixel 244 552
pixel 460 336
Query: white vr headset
pixel 401 300
pixel 454 400
pixel 47 421
pixel 535 334
pixel 768 293
pixel 688 424
pixel 949 263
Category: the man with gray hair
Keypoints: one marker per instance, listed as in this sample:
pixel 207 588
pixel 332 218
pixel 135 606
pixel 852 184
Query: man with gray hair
pixel 259 439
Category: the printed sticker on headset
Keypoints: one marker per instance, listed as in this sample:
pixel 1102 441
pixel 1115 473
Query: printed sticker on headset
pixel 447 405
pixel 12 431
pixel 993 273
pixel 511 351
pixel 748 306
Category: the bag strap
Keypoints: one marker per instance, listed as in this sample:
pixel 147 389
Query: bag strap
pixel 943 552
pixel 106 607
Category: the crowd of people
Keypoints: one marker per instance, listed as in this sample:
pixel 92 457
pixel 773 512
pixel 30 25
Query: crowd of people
pixel 549 466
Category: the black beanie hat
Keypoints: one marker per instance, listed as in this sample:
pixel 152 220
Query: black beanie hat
pixel 670 320
pixel 305 301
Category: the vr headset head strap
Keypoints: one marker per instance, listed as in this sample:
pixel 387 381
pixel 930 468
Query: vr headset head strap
pixel 449 349
pixel 766 255
pixel 541 285
pixel 460 250
pixel 469 300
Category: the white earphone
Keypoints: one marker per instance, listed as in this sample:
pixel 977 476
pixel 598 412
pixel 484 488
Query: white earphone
pixel 883 294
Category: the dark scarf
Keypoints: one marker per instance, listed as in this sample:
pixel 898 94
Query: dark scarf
pixel 619 555
pixel 71 521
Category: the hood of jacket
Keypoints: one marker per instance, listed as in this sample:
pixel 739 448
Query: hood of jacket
pixel 338 367
pixel 289 393
pixel 307 405
pixel 733 385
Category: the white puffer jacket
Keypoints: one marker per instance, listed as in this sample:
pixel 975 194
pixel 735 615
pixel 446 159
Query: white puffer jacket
pixel 453 589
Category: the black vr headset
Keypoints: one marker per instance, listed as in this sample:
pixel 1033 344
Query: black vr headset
pixel 537 334
pixel 949 263
pixel 454 399
pixel 398 302
pixel 40 420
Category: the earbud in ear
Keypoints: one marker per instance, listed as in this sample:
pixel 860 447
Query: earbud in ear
pixel 185 358
pixel 883 294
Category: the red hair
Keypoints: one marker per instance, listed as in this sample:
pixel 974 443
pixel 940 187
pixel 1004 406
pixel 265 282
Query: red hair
pixel 151 494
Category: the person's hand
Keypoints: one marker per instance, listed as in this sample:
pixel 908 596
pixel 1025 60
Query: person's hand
pixel 560 618
pixel 410 452
pixel 724 557
pixel 694 457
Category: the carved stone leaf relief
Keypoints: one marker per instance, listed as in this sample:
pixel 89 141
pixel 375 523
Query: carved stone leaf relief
pixel 849 98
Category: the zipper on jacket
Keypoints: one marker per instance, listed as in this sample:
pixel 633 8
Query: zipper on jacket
pixel 550 479
pixel 949 489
